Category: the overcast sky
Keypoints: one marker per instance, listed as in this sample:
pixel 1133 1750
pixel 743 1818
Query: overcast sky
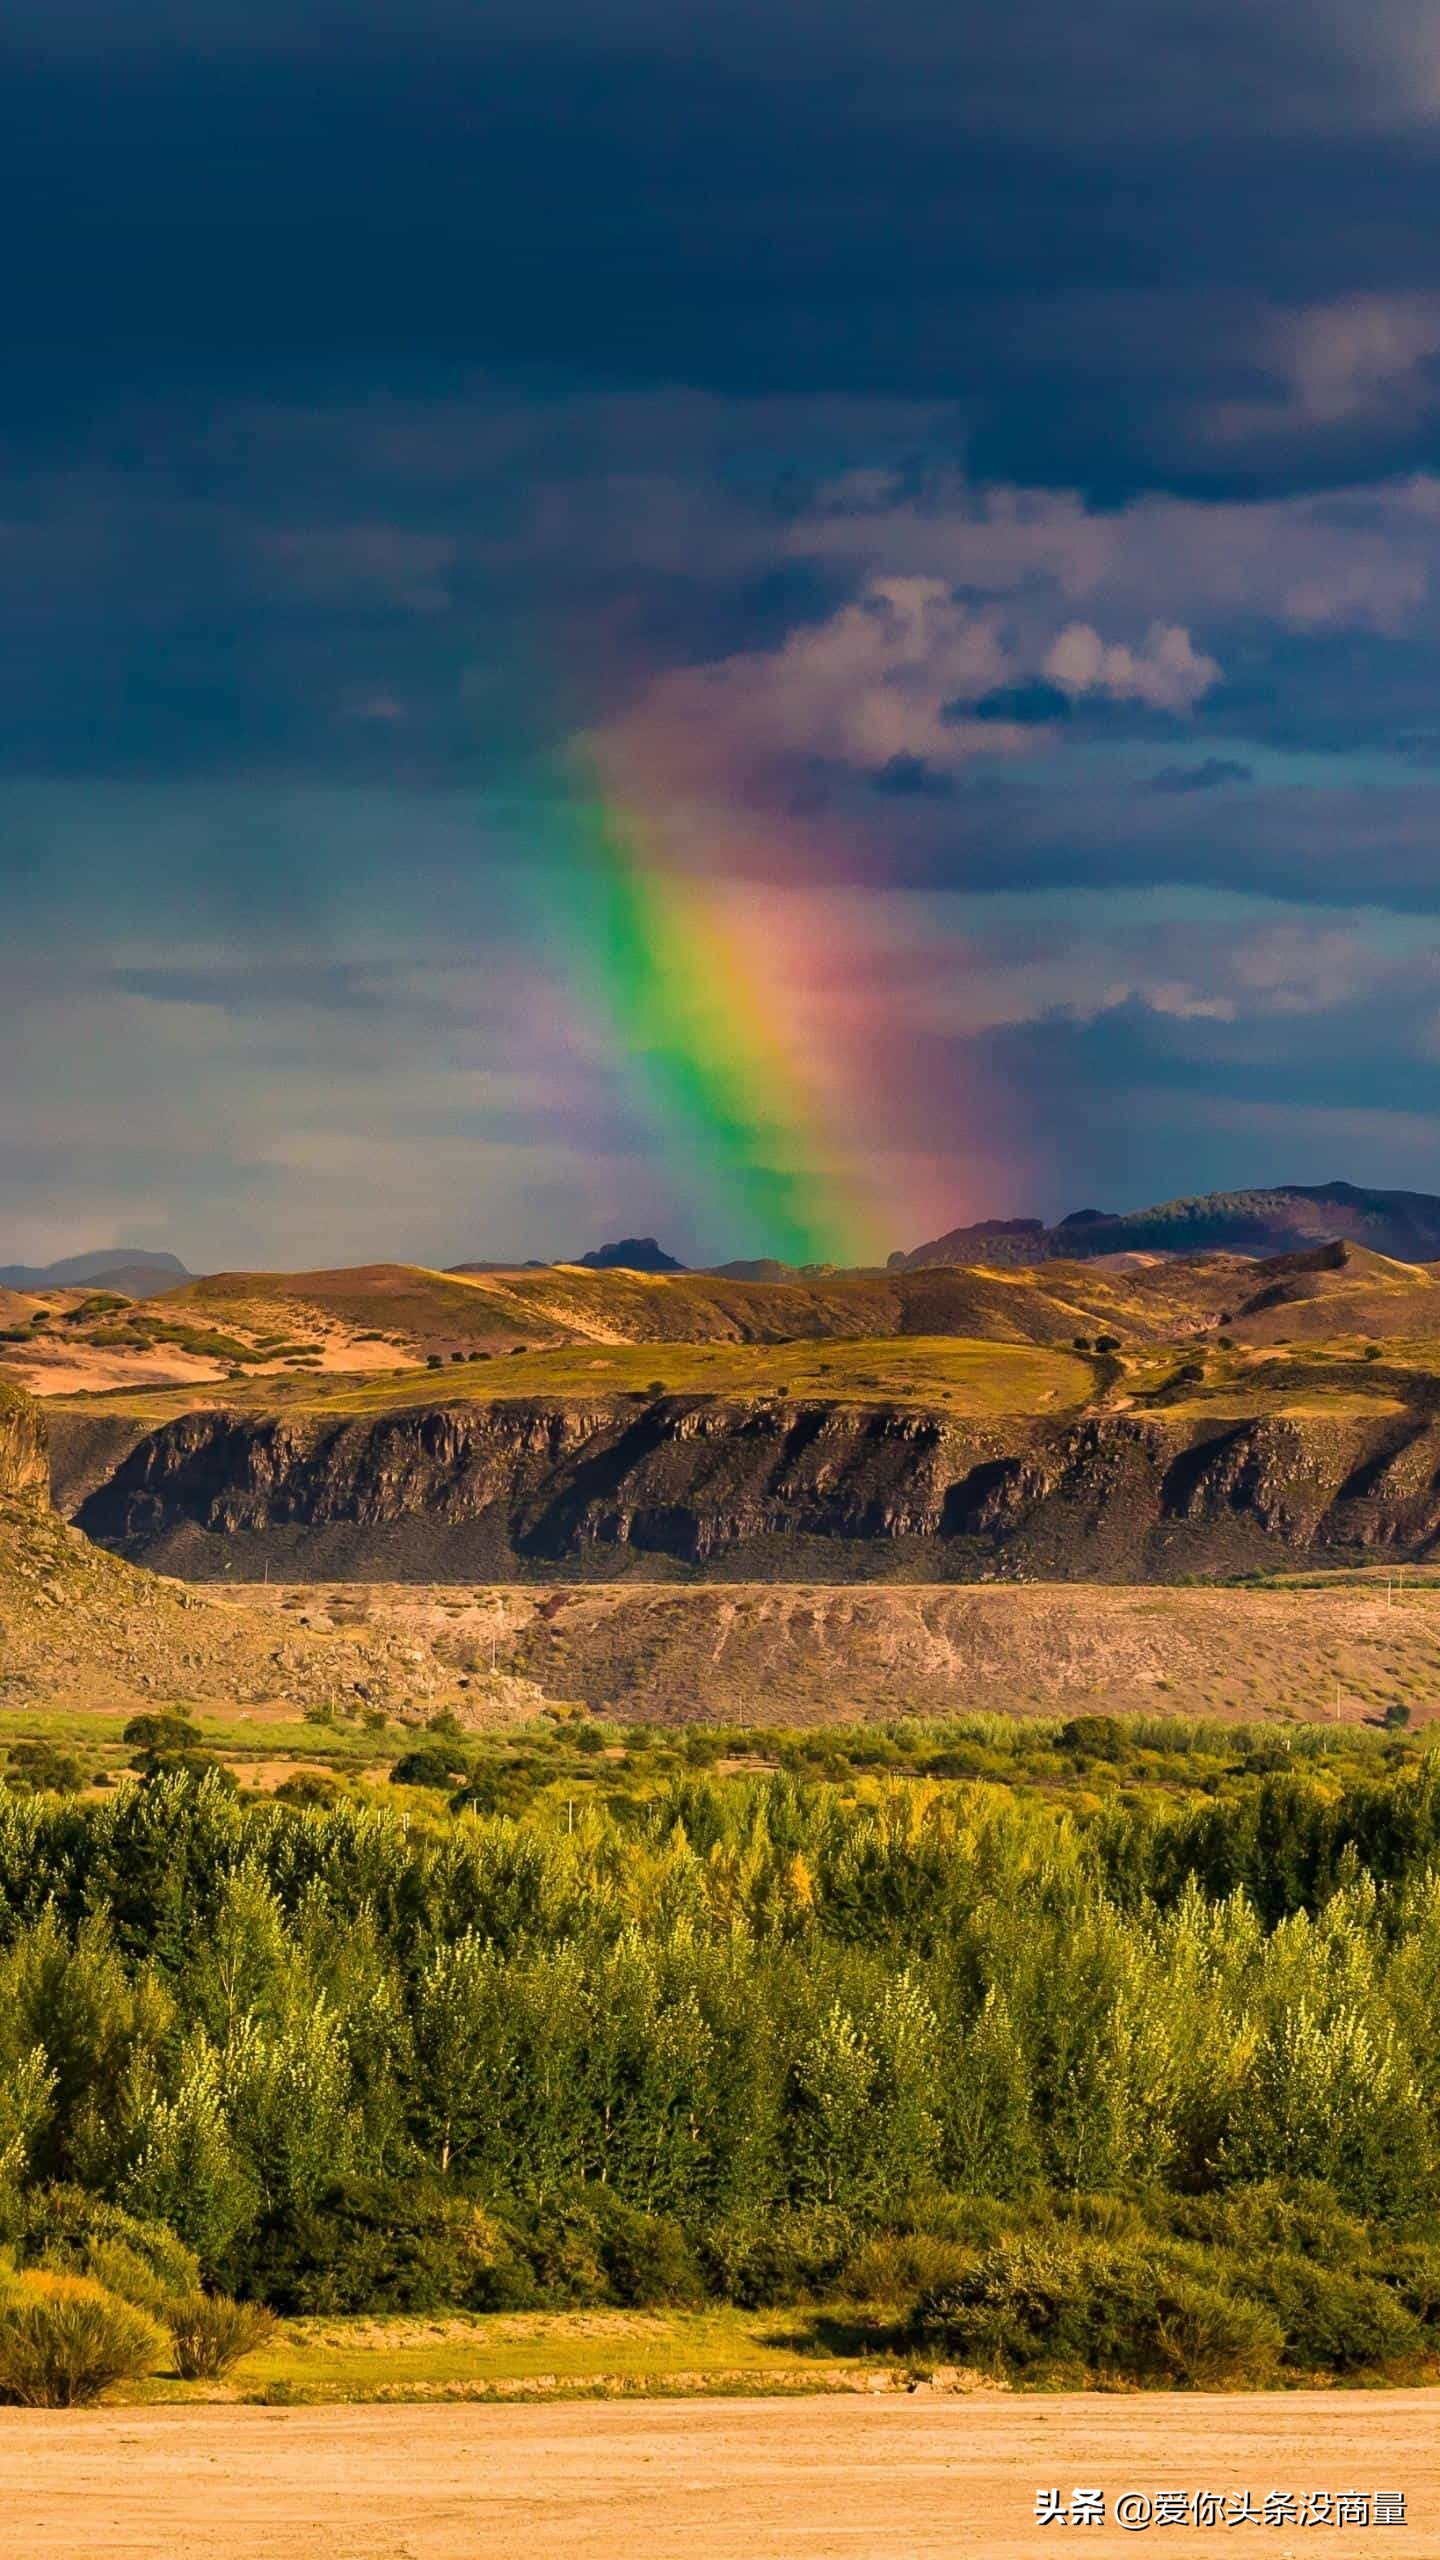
pixel 970 476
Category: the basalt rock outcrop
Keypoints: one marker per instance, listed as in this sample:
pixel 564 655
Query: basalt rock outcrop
pixel 699 1487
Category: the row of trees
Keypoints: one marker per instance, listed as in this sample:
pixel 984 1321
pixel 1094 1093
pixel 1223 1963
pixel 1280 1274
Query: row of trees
pixel 756 1999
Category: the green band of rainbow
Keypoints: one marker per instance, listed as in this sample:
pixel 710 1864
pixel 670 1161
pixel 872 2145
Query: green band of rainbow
pixel 685 995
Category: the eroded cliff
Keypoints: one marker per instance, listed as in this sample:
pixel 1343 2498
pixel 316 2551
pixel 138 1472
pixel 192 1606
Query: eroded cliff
pixel 770 1492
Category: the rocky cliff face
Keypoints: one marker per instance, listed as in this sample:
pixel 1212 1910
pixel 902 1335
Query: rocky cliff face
pixel 689 1487
pixel 24 1469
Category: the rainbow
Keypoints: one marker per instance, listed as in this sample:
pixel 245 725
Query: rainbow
pixel 703 989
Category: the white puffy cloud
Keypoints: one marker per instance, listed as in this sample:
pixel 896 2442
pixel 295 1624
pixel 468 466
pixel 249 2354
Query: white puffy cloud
pixel 1166 671
pixel 872 682
pixel 895 675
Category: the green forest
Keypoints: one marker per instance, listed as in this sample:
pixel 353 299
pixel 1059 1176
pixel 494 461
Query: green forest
pixel 1149 2089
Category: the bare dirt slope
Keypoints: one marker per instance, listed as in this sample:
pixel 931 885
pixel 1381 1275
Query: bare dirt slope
pixel 727 2480
pixel 80 1629
pixel 832 1653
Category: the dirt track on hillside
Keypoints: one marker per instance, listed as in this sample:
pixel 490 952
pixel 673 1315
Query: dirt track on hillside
pixel 727 2480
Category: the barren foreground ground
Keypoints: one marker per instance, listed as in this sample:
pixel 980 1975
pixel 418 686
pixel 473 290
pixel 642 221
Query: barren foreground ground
pixel 729 2480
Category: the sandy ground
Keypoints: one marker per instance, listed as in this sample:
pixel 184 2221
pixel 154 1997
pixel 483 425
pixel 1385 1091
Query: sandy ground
pixel 729 2480
pixel 71 1369
pixel 58 1368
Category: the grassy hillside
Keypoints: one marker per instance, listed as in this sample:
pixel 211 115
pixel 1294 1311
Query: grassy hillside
pixel 967 1378
pixel 444 1311
pixel 1341 1327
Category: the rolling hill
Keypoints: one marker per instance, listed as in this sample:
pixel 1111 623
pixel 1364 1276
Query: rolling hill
pixel 127 1268
pixel 376 1336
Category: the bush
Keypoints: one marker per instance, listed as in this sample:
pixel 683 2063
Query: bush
pixel 496 1789
pixel 83 2235
pixel 645 2256
pixel 211 2333
pixel 1304 2218
pixel 427 1768
pixel 1335 2319
pixel 759 2259
pixel 45 1769
pixel 368 2244
pixel 65 2341
pixel 161 1732
pixel 896 2268
pixel 1111 2309
pixel 308 1788
pixel 124 2272
pixel 1094 1737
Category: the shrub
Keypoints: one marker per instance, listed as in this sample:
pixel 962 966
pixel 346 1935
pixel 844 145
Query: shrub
pixel 308 1787
pixel 1335 2319
pixel 645 2256
pixel 365 2244
pixel 123 2272
pixel 190 1764
pixel 211 2333
pixel 757 2259
pixel 1094 1737
pixel 45 1769
pixel 896 2268
pixel 588 2245
pixel 1304 2218
pixel 65 2341
pixel 496 1789
pixel 161 1732
pixel 1113 2309
pixel 83 2234
pixel 427 1768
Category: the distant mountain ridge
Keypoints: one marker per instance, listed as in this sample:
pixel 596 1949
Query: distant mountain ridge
pixel 132 1270
pixel 631 1253
pixel 1284 1218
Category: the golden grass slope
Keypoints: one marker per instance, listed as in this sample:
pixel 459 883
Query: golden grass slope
pixel 942 1374
pixel 965 1341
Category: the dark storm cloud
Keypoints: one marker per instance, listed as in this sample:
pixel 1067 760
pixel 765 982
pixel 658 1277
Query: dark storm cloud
pixel 1084 229
pixel 999 445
